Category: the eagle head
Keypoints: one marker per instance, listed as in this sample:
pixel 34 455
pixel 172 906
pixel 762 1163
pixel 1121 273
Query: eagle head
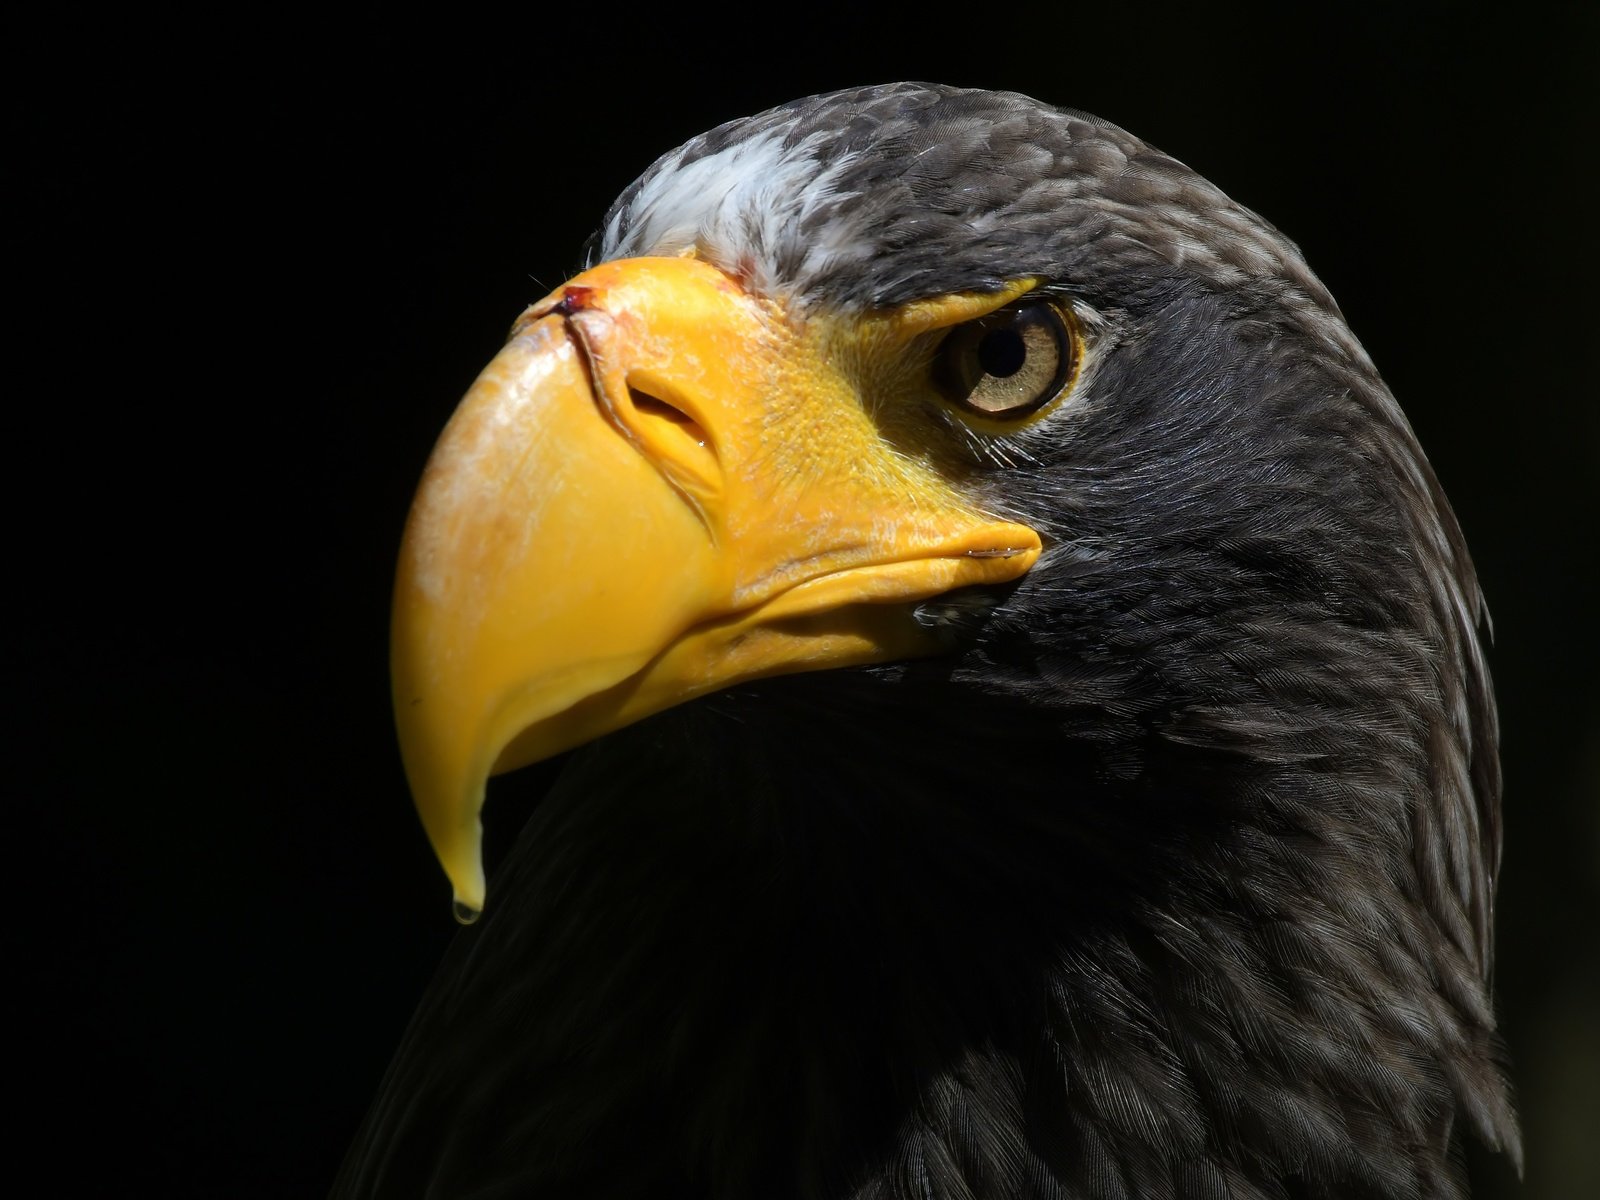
pixel 1026 723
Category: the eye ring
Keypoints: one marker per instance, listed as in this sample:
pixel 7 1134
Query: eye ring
pixel 1012 361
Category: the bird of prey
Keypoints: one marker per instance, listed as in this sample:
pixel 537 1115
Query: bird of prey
pixel 1025 717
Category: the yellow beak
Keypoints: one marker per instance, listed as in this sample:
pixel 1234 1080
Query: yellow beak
pixel 661 486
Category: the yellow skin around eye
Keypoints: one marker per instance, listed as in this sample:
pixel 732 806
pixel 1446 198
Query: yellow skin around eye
pixel 893 359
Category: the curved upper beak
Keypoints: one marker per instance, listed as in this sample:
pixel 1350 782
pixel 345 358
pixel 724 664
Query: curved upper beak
pixel 662 485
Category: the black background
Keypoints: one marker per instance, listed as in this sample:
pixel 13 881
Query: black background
pixel 254 263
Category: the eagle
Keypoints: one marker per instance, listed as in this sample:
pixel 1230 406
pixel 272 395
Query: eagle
pixel 1020 693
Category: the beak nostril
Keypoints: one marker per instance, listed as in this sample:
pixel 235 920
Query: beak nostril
pixel 647 405
pixel 665 429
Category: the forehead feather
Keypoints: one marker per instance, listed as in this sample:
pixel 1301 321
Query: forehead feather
pixel 877 196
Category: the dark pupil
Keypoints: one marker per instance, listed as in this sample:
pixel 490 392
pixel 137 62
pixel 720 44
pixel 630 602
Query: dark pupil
pixel 1001 352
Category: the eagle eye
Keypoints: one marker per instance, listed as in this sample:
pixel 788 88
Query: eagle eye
pixel 1011 362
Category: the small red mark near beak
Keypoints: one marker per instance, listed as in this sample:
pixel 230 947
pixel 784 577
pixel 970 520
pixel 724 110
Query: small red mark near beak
pixel 573 299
